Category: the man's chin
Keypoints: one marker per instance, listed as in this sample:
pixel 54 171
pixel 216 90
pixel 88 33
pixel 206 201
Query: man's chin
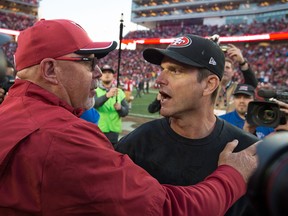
pixel 164 112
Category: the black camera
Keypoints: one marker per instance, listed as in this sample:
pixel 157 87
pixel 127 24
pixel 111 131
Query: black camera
pixel 266 113
pixel 267 187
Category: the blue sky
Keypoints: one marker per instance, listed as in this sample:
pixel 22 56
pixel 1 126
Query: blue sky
pixel 100 18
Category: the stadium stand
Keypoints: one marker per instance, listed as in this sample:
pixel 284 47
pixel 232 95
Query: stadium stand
pixel 17 15
pixel 170 18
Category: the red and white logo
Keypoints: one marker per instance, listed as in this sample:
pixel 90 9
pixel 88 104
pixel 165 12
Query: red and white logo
pixel 243 88
pixel 181 42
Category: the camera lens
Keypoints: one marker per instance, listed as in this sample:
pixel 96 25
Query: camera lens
pixel 267 114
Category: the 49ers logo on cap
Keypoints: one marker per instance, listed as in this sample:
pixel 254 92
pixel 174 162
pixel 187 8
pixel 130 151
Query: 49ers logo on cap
pixel 181 42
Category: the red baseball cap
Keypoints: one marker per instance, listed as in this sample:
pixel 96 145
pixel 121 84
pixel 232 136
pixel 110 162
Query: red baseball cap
pixel 55 38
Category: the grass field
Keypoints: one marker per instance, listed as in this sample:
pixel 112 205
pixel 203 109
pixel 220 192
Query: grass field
pixel 140 105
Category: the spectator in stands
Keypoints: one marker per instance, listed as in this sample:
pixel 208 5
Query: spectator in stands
pixel 224 102
pixel 58 164
pixel 111 104
pixel 192 68
pixel 244 94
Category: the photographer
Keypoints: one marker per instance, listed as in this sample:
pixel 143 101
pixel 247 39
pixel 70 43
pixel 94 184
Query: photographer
pixel 243 95
pixel 234 57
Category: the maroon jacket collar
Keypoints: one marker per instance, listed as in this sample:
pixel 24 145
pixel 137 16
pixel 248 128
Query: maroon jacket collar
pixel 27 88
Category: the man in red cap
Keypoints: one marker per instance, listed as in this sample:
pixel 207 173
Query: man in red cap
pixel 54 163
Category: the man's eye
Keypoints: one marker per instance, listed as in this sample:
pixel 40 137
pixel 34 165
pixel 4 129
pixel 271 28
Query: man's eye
pixel 175 71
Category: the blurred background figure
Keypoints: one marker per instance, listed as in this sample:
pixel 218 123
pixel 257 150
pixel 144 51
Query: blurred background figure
pixel 147 84
pixel 6 81
pixel 140 87
pixel 111 104
pixel 10 70
pixel 243 95
pixel 234 57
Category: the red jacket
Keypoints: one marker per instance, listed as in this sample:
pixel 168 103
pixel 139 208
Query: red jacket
pixel 54 163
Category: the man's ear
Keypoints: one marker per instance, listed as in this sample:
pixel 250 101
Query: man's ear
pixel 212 84
pixel 48 70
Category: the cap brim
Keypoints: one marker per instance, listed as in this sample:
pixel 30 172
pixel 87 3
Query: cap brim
pixel 99 49
pixel 155 56
pixel 243 92
pixel 111 70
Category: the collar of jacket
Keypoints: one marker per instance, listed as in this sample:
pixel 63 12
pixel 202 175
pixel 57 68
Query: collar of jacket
pixel 29 89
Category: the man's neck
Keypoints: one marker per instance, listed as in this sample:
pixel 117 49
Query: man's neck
pixel 242 115
pixel 196 127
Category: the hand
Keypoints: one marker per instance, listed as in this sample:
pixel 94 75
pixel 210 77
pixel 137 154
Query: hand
pixel 112 92
pixel 245 161
pixel 249 128
pixel 117 106
pixel 235 53
pixel 2 95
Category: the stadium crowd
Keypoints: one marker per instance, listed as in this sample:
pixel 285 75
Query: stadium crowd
pixel 180 8
pixel 15 21
pixel 34 2
pixel 166 31
pixel 268 60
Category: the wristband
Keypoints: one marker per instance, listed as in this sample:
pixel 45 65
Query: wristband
pixel 243 63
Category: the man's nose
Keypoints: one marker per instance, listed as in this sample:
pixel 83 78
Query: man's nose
pixel 161 79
